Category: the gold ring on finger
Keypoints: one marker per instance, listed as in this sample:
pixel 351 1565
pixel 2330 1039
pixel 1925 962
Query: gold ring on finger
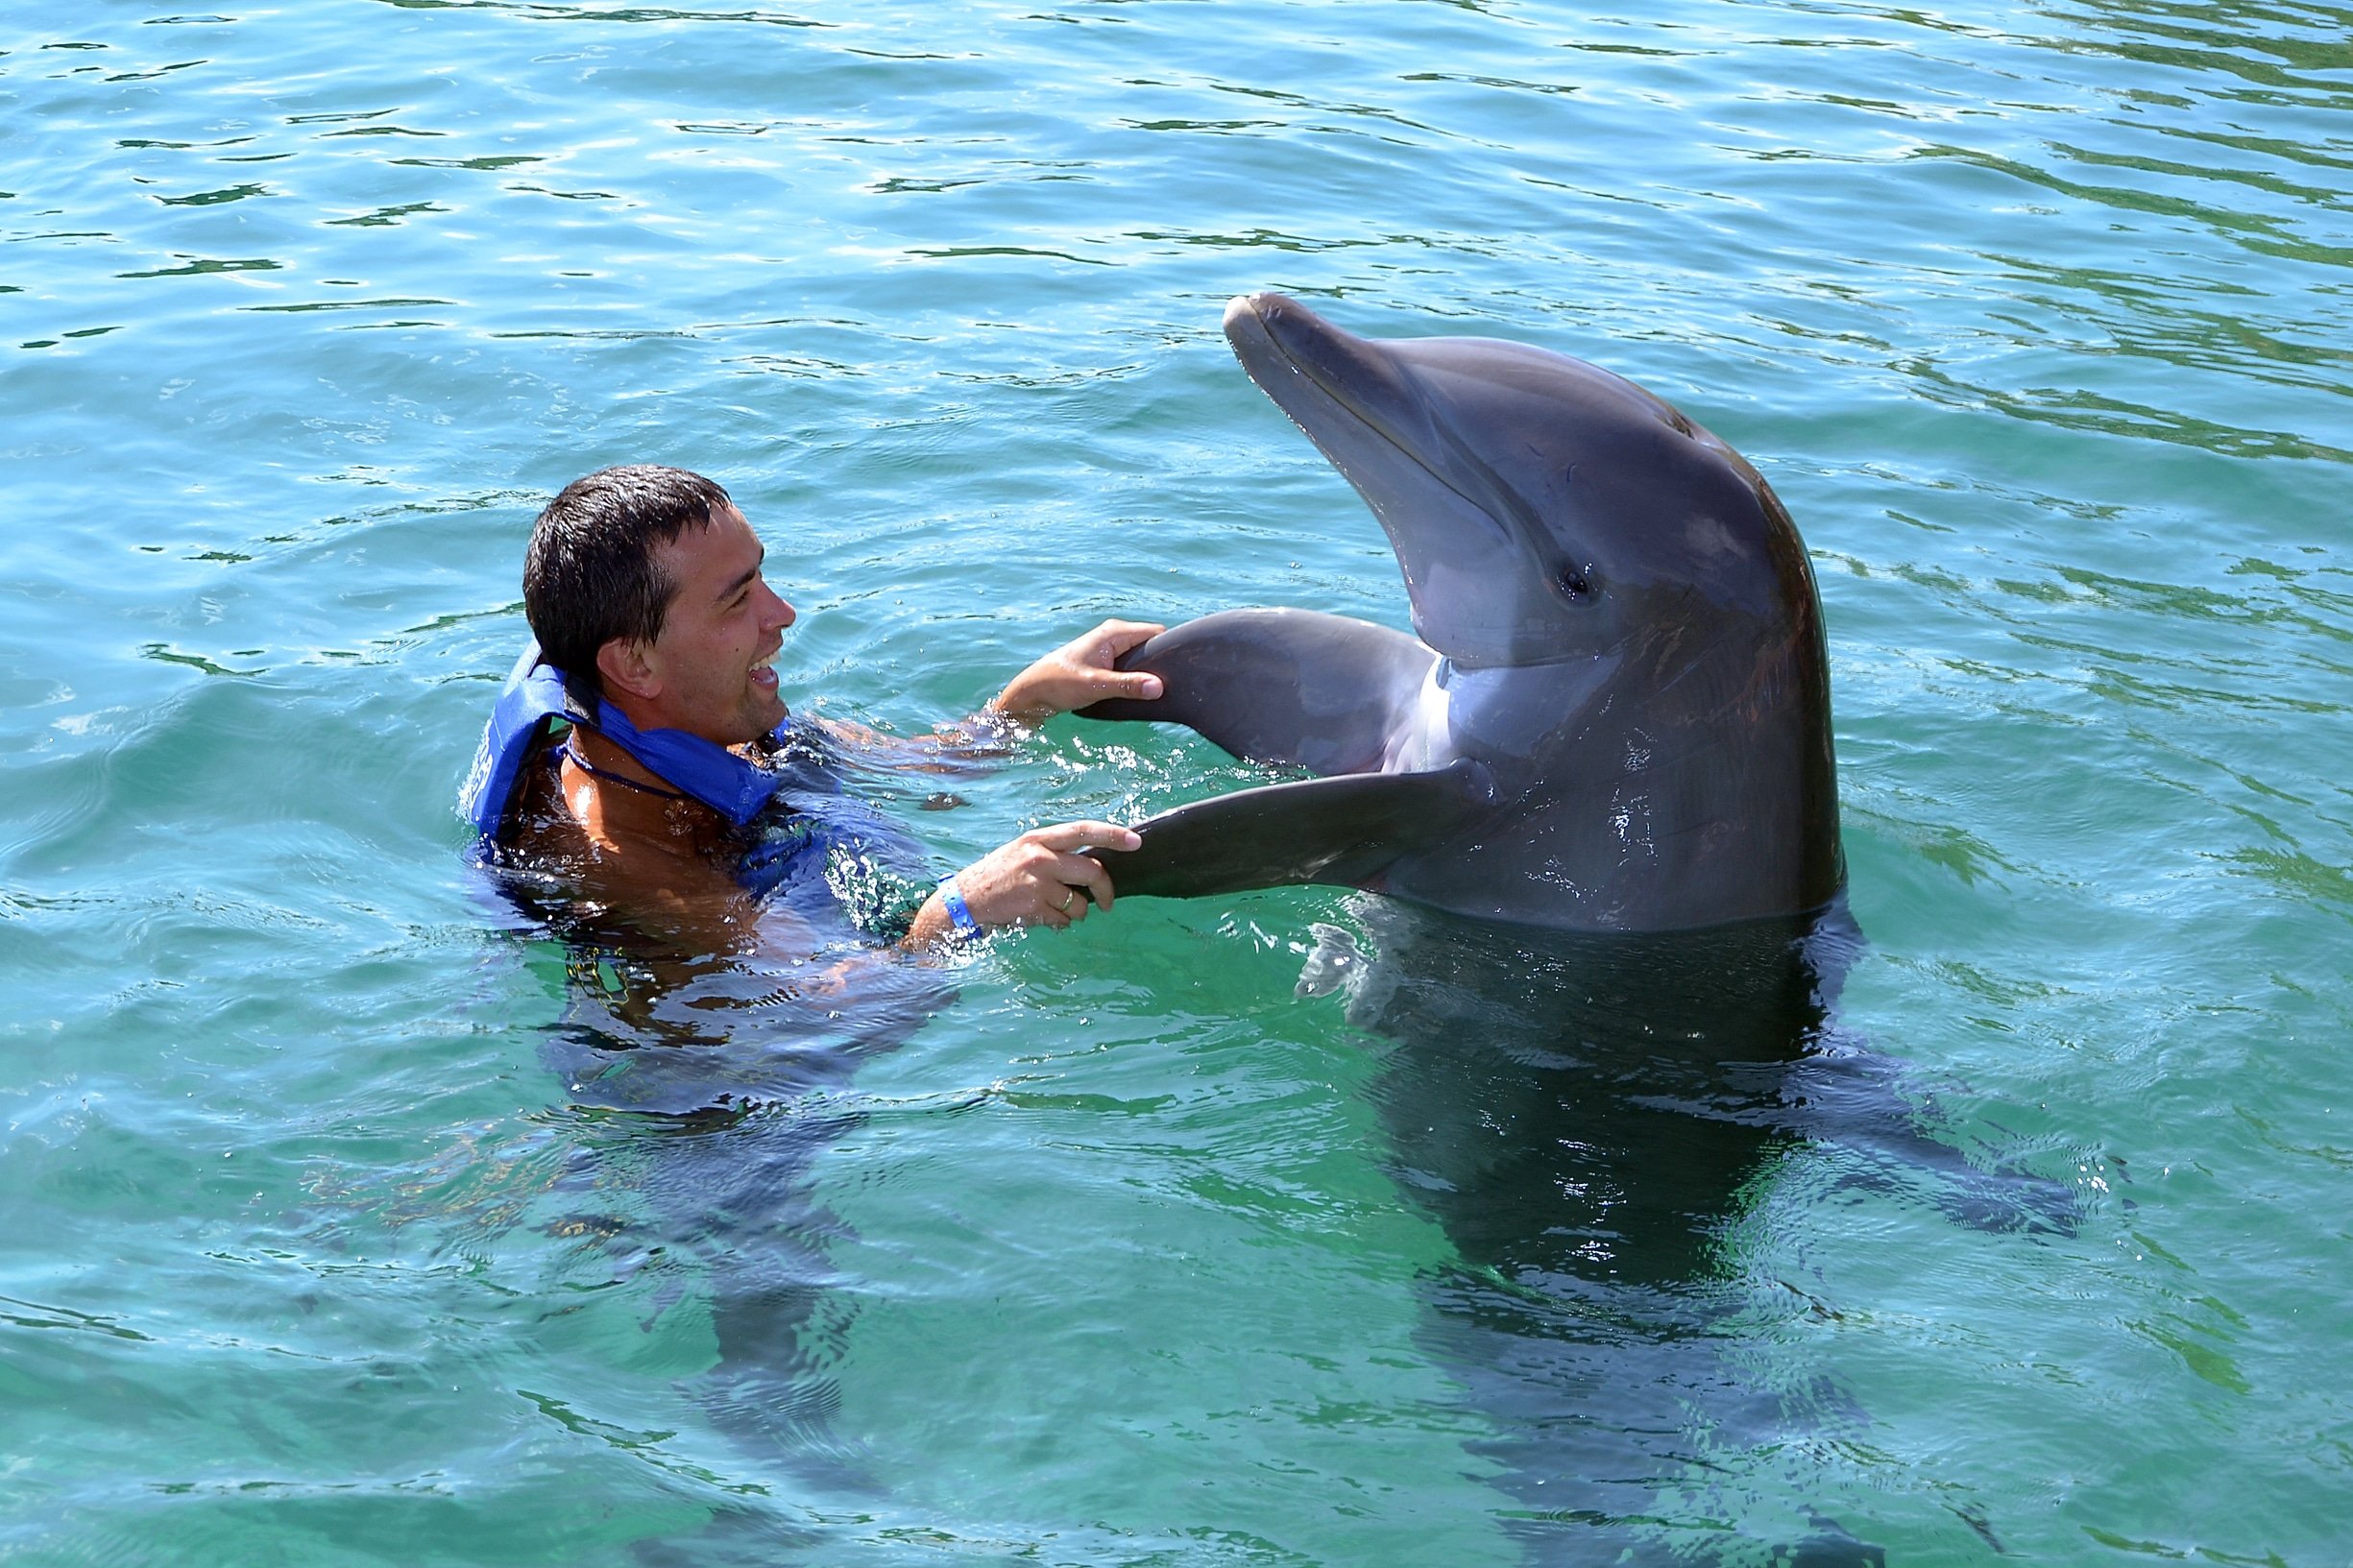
pixel 1068 895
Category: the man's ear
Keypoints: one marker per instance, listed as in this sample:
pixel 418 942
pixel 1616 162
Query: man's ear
pixel 622 663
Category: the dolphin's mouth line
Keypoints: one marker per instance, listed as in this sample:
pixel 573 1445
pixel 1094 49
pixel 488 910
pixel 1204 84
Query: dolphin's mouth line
pixel 1353 410
pixel 1583 656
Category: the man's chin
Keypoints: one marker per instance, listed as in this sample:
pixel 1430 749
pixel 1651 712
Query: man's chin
pixel 763 713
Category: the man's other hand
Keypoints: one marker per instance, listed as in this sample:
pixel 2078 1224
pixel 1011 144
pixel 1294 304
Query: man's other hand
pixel 1078 673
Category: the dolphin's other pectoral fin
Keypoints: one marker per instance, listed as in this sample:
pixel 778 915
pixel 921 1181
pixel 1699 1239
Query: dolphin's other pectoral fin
pixel 1343 831
pixel 1281 686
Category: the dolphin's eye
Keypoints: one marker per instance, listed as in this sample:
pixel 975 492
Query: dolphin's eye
pixel 1573 582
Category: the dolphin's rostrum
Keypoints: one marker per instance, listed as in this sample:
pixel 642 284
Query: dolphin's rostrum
pixel 1615 715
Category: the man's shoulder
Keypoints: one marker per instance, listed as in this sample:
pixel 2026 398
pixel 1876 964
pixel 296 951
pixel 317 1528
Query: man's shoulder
pixel 627 868
pixel 545 829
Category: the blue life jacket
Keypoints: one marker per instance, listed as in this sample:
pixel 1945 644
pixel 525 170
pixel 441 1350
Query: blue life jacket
pixel 805 836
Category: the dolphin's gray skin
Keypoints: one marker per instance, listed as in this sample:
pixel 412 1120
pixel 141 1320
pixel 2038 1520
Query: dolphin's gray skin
pixel 1616 715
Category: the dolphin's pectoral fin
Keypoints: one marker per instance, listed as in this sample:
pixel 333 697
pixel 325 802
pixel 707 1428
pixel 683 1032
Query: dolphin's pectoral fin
pixel 1340 832
pixel 1281 686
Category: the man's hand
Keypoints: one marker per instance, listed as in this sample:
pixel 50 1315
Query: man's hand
pixel 1078 673
pixel 1038 880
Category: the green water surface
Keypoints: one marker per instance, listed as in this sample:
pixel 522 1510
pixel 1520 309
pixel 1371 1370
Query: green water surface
pixel 2036 314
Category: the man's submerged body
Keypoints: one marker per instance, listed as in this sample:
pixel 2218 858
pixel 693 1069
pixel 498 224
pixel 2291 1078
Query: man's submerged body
pixel 696 656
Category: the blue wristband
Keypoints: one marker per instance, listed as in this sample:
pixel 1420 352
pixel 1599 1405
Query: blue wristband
pixel 960 914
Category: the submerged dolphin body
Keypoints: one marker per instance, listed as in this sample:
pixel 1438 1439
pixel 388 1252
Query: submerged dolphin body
pixel 1619 1134
pixel 1615 715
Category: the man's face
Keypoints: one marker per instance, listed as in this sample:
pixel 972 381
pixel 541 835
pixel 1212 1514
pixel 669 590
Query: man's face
pixel 723 625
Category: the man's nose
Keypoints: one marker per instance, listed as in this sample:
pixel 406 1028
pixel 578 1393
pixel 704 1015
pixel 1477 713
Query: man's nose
pixel 781 615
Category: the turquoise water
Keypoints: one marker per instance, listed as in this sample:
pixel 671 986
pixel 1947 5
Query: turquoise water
pixel 2037 319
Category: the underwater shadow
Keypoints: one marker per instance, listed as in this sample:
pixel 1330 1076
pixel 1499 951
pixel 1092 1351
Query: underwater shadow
pixel 715 1083
pixel 1588 1118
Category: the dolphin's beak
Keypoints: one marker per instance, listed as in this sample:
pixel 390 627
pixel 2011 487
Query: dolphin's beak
pixel 1277 339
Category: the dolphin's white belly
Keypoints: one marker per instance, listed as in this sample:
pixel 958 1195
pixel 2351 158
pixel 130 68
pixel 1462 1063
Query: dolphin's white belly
pixel 1424 738
pixel 1503 714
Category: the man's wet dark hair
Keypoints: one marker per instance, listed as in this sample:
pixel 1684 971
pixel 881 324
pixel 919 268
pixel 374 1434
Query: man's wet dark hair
pixel 590 575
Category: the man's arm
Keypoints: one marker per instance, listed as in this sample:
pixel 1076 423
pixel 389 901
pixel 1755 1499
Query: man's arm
pixel 1074 675
pixel 1039 879
pixel 1079 672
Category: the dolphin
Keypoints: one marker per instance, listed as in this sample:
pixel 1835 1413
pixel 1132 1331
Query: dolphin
pixel 1613 714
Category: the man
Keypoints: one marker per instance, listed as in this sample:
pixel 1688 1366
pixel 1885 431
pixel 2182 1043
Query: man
pixel 644 585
